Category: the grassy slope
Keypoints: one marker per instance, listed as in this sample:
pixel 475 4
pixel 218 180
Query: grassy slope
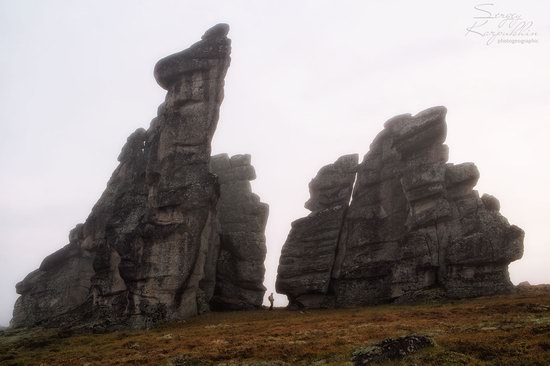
pixel 504 330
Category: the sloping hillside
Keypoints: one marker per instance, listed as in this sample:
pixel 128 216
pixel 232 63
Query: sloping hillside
pixel 503 330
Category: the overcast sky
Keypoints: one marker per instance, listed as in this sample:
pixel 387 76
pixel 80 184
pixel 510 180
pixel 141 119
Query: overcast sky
pixel 309 81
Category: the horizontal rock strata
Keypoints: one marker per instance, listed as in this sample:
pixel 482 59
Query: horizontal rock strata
pixel 414 228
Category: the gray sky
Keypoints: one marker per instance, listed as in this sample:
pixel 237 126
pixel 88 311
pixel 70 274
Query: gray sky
pixel 309 81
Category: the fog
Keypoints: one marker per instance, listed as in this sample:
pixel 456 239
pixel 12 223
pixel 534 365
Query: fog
pixel 309 81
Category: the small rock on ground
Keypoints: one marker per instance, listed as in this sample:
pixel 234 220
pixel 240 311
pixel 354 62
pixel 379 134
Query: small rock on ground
pixel 391 349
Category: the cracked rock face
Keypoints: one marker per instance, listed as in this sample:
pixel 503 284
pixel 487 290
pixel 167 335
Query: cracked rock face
pixel 149 250
pixel 414 226
pixel 308 256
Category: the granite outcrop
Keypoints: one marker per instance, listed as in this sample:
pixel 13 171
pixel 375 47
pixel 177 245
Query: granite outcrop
pixel 414 228
pixel 154 247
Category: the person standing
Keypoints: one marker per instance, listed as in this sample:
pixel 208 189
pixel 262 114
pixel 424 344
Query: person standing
pixel 271 299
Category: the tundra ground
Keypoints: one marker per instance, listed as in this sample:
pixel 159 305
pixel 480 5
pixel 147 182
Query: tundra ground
pixel 502 330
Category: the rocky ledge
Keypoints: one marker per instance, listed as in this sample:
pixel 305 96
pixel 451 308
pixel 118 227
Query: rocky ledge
pixel 414 228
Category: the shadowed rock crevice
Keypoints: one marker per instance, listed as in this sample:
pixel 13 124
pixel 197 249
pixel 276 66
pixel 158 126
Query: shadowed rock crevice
pixel 150 249
pixel 414 228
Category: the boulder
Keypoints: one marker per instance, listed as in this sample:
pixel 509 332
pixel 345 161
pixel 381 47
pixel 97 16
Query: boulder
pixel 391 349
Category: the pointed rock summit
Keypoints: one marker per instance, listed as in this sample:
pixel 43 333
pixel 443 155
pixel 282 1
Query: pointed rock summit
pixel 415 227
pixel 152 248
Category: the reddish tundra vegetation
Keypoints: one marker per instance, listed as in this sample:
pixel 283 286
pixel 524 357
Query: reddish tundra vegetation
pixel 501 330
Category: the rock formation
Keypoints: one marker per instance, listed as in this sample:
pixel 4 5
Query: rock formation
pixel 242 218
pixel 308 255
pixel 414 228
pixel 391 349
pixel 150 249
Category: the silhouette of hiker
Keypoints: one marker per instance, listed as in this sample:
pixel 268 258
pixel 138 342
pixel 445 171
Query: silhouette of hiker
pixel 271 299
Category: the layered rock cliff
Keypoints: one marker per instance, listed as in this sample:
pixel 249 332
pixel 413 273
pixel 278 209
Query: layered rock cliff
pixel 414 228
pixel 150 249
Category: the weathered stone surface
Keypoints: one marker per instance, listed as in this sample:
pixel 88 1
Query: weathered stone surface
pixel 242 217
pixel 391 349
pixel 308 255
pixel 414 228
pixel 490 203
pixel 150 249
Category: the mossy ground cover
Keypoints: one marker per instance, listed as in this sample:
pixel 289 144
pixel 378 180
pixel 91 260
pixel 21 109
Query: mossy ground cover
pixel 502 330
